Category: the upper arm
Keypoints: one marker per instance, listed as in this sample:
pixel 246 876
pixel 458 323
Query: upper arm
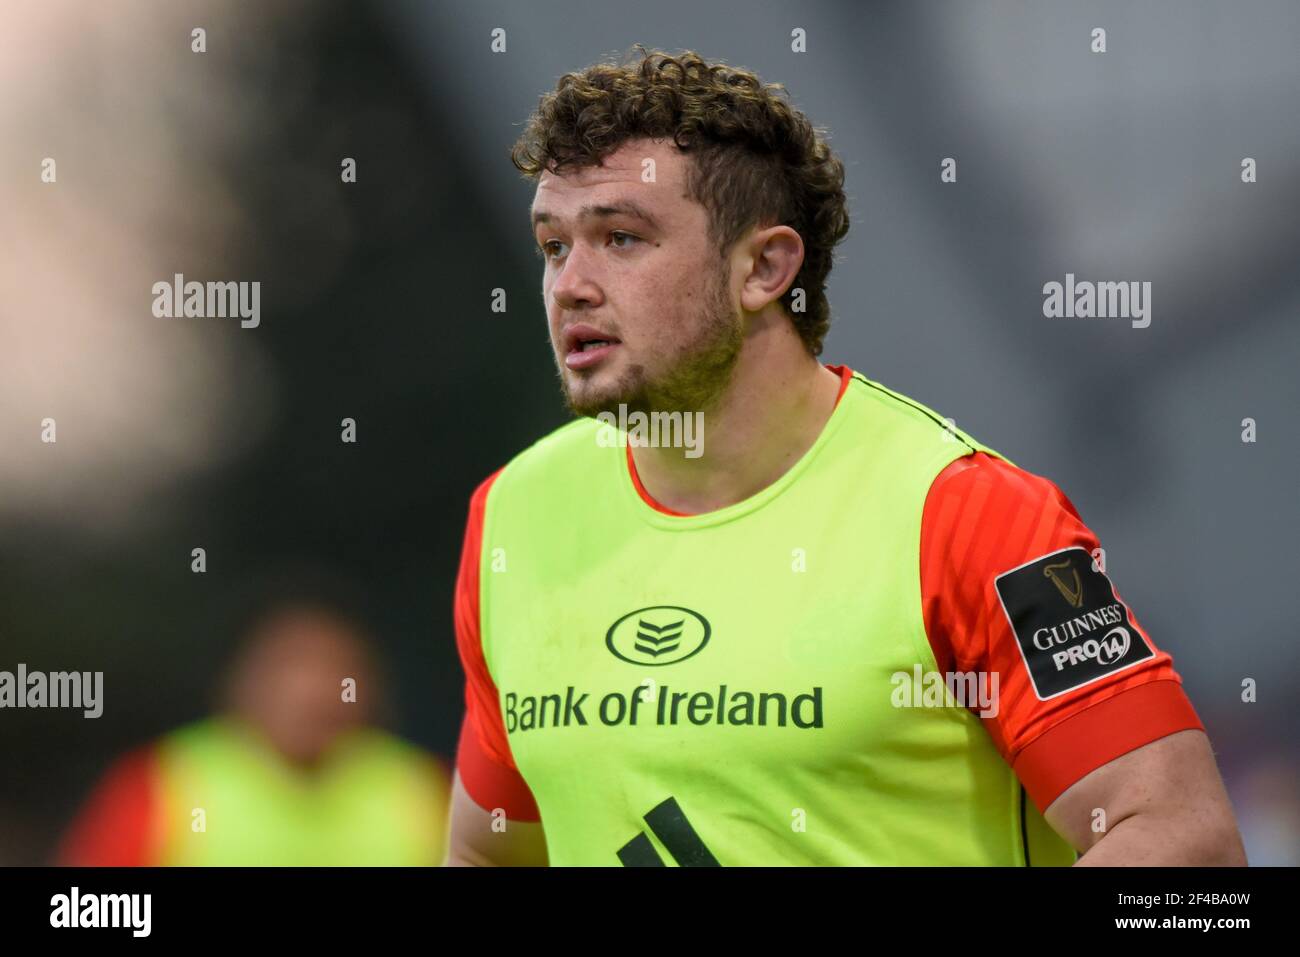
pixel 1014 584
pixel 1173 779
pixel 485 836
pixel 494 818
pixel 117 825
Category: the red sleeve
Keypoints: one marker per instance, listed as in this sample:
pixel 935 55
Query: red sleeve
pixel 483 757
pixel 1007 591
pixel 115 826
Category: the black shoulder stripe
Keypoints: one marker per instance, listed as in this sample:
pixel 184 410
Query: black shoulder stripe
pixel 1024 827
pixel 928 414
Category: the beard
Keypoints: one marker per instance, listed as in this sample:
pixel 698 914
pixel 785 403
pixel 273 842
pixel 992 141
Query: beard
pixel 691 379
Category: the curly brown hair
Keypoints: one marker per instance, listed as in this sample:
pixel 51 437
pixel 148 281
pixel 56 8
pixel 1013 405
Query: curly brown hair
pixel 758 161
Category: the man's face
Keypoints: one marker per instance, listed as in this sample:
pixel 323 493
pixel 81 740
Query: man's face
pixel 630 263
pixel 288 682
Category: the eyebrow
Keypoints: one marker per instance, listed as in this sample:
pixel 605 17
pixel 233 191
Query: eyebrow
pixel 602 211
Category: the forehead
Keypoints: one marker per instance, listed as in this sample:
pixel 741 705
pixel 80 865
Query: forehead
pixel 621 175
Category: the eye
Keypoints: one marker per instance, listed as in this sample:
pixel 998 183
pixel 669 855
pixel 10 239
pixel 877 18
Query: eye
pixel 547 251
pixel 619 233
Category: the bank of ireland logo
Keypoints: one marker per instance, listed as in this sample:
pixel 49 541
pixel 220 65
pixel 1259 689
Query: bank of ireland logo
pixel 658 635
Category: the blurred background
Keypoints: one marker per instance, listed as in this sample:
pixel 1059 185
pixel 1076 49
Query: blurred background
pixel 176 434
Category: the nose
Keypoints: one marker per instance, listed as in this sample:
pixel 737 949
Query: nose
pixel 575 285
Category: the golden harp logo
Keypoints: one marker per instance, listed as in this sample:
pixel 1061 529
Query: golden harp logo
pixel 1069 586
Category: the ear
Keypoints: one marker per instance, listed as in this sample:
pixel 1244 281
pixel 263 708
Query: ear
pixel 775 256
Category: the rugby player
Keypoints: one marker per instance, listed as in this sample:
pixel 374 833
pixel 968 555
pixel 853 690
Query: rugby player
pixel 698 660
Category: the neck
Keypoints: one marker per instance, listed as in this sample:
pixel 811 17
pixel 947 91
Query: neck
pixel 774 408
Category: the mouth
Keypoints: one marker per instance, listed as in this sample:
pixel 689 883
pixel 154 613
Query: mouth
pixel 586 346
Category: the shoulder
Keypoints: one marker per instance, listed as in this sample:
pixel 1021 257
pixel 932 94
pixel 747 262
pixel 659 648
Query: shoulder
pixel 571 447
pixel 989 489
pixel 573 435
pixel 543 453
pixel 115 824
pixel 195 733
pixel 377 745
pixel 984 516
pixel 910 420
pixel 134 769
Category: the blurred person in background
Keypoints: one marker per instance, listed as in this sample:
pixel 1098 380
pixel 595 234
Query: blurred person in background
pixel 288 772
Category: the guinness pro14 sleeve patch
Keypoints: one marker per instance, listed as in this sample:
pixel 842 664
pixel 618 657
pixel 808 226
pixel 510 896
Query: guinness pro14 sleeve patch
pixel 1071 627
